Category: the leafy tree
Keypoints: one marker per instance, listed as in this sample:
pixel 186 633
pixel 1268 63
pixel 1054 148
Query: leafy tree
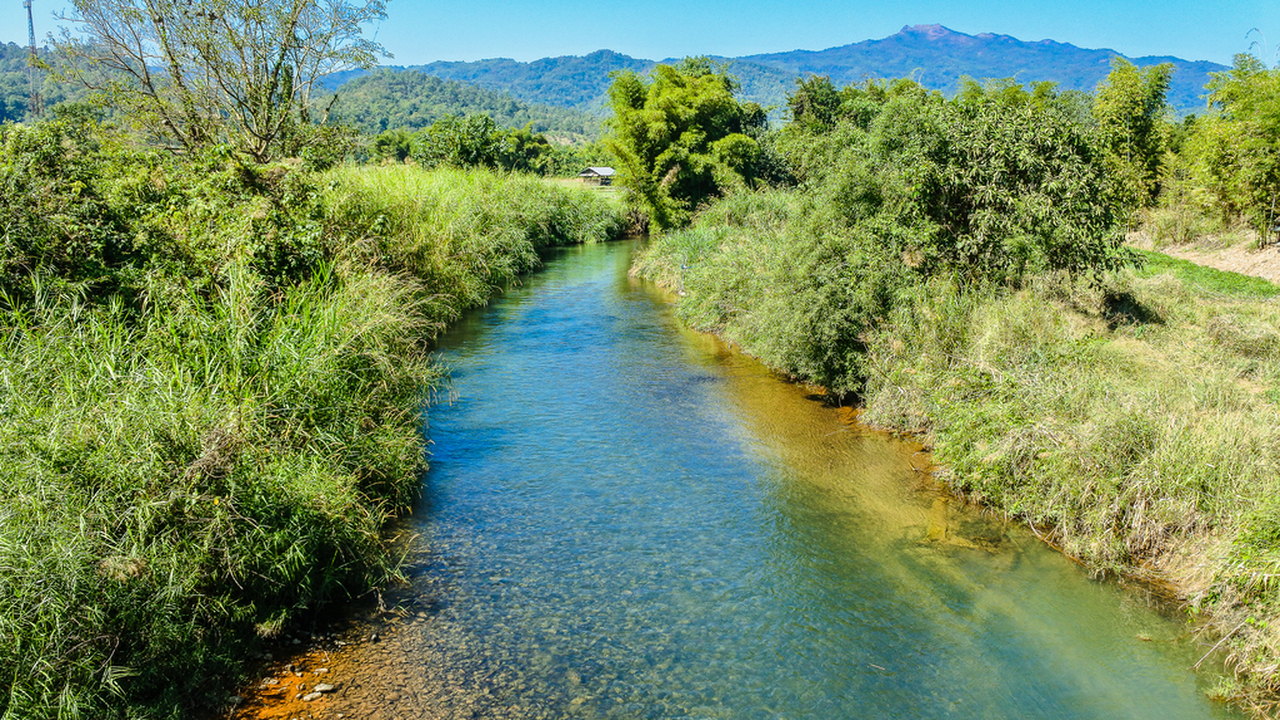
pixel 997 183
pixel 1130 109
pixel 1234 153
pixel 1018 187
pixel 456 141
pixel 815 103
pixel 524 150
pixel 680 138
pixel 194 73
pixel 394 145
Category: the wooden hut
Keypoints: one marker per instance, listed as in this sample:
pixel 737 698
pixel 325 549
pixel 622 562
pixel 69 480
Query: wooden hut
pixel 597 176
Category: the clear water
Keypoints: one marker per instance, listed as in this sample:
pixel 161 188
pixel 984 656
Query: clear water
pixel 624 519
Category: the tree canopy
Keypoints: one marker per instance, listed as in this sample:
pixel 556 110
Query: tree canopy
pixel 1130 109
pixel 681 137
pixel 197 72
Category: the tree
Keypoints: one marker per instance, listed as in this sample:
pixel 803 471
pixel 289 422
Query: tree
pixel 815 104
pixel 998 183
pixel 1018 188
pixel 681 138
pixel 1130 108
pixel 1232 155
pixel 457 141
pixel 193 73
pixel 393 145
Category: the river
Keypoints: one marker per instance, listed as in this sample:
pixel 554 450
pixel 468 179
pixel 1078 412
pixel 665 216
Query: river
pixel 626 519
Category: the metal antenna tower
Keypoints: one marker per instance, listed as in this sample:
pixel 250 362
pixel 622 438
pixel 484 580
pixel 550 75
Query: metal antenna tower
pixel 37 106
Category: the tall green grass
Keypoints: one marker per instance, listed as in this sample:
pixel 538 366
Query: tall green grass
pixel 175 483
pixel 1137 423
pixel 465 234
pixel 1133 418
pixel 205 424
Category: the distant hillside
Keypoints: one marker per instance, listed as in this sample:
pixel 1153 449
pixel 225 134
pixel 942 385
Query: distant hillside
pixel 936 57
pixel 15 88
pixel 576 82
pixel 932 54
pixel 411 99
pixel 579 82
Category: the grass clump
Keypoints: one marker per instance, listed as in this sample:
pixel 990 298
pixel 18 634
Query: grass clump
pixel 465 233
pixel 177 482
pixel 212 377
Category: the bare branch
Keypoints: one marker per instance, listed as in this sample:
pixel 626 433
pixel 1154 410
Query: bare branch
pixel 200 72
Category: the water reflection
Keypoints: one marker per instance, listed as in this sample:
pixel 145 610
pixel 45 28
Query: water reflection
pixel 625 519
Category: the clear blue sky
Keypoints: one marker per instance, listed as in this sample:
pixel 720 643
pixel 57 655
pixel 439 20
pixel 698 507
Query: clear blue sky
pixel 420 31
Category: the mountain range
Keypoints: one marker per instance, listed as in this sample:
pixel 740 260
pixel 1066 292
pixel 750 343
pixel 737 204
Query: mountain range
pixel 933 55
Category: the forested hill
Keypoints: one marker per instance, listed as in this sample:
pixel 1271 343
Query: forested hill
pixel 409 99
pixel 15 86
pixel 934 55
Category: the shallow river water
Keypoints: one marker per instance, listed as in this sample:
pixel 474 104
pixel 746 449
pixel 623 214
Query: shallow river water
pixel 625 519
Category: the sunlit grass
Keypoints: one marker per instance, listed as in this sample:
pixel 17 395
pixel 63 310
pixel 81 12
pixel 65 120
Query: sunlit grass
pixel 185 469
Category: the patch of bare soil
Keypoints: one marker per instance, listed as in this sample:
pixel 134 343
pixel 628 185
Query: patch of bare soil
pixel 1244 259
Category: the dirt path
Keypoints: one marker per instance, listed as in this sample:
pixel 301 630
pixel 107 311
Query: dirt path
pixel 1245 260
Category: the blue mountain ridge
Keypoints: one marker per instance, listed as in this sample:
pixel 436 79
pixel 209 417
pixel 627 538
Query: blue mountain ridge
pixel 933 55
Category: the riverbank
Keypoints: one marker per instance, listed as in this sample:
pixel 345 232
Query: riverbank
pixel 212 384
pixel 736 548
pixel 1134 420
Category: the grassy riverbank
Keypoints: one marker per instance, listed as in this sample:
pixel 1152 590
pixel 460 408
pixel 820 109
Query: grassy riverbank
pixel 211 384
pixel 957 265
pixel 1133 419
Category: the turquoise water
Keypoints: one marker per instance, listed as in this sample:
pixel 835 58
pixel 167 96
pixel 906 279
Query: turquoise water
pixel 626 519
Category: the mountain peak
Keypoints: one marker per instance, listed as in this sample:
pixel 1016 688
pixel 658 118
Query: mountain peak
pixel 930 32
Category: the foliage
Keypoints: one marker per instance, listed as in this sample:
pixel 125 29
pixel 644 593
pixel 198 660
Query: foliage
pixel 387 100
pixel 464 233
pixel 1130 107
pixel 681 138
pixel 196 73
pixel 474 141
pixel 462 142
pixel 1019 190
pixel 58 224
pixel 15 88
pixel 212 379
pixel 181 480
pixel 898 186
pixel 392 145
pixel 1231 157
